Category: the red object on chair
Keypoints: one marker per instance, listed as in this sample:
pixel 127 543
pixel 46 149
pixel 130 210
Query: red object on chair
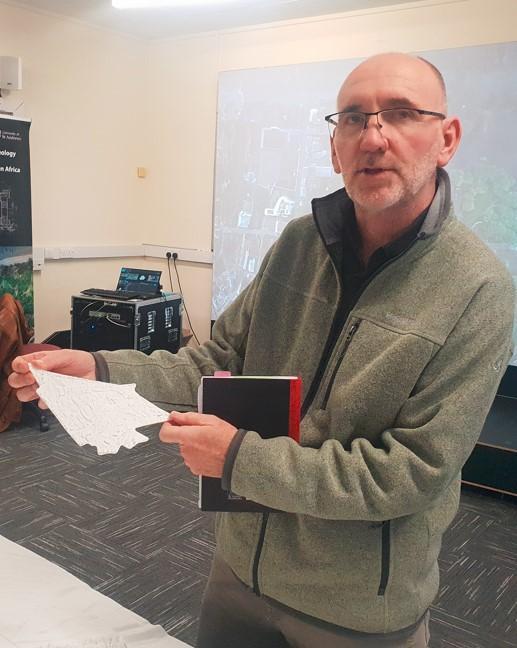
pixel 14 332
pixel 14 341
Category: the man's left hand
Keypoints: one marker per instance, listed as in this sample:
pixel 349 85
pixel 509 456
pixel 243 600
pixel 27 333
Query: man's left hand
pixel 203 440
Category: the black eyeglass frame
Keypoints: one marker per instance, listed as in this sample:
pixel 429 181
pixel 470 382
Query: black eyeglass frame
pixel 330 121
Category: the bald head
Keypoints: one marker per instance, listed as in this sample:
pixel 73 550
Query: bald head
pixel 439 77
pixel 419 79
pixel 389 163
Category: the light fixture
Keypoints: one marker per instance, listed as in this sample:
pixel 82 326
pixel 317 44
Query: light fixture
pixel 152 4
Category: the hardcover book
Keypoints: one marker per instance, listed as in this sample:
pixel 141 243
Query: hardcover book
pixel 268 405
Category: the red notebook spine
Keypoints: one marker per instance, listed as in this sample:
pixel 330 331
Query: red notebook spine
pixel 295 408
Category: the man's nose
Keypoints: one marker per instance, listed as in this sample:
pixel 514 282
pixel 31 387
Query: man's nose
pixel 372 137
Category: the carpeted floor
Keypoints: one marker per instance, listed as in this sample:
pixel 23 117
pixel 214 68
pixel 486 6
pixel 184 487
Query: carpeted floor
pixel 129 526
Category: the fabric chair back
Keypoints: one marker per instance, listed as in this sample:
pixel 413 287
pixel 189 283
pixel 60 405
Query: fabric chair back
pixel 14 332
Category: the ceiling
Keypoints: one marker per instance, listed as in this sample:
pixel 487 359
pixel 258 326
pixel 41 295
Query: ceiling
pixel 174 22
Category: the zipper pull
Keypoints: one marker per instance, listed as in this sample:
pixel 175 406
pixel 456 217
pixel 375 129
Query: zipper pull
pixel 348 339
pixel 351 333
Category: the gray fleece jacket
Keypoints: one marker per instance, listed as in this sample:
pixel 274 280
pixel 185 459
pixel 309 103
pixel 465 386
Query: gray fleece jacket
pixel 395 411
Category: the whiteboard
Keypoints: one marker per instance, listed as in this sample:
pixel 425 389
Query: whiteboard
pixel 272 154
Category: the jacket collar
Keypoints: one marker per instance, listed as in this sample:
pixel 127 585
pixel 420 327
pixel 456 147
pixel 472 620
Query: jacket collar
pixel 330 210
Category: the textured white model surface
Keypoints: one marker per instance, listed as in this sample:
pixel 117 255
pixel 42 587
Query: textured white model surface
pixel 96 413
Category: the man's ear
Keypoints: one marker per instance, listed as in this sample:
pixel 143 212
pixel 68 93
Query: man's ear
pixel 451 139
pixel 335 162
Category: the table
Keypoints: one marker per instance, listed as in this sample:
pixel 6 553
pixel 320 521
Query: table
pixel 43 606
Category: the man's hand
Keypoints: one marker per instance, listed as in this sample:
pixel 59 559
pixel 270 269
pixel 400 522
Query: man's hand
pixel 203 440
pixel 65 361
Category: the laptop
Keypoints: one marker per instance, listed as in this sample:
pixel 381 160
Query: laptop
pixel 133 283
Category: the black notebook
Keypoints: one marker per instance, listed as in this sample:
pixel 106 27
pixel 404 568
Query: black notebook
pixel 268 405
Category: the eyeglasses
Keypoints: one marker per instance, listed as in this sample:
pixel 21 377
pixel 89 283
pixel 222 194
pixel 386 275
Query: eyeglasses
pixel 353 123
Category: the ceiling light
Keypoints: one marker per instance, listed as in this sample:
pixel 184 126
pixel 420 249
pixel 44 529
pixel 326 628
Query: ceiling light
pixel 151 4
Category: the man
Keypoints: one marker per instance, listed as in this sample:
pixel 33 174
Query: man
pixel 399 321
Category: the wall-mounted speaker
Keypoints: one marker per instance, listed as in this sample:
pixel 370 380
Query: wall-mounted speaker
pixel 10 73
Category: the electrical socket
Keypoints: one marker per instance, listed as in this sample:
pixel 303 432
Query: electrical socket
pixel 171 255
pixel 38 258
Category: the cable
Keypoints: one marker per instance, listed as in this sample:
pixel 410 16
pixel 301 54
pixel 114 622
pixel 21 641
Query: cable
pixel 108 319
pixel 169 269
pixel 174 257
pixel 87 305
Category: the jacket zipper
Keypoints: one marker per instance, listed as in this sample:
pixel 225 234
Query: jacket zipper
pixel 352 331
pixel 306 404
pixel 327 352
pixel 305 408
pixel 385 557
pixel 258 551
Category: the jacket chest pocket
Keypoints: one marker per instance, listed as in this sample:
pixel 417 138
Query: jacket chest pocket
pixel 373 374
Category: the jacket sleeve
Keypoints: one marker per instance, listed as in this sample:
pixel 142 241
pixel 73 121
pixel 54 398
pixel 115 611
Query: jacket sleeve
pixel 171 380
pixel 415 460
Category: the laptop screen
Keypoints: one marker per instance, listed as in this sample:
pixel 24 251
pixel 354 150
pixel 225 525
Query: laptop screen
pixel 145 282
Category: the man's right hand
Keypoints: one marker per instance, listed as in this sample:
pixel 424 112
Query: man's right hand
pixel 64 361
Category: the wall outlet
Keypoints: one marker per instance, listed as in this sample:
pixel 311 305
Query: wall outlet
pixel 38 258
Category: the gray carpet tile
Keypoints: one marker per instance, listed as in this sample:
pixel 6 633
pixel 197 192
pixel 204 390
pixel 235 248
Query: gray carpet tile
pixel 481 592
pixel 129 525
pixel 448 630
pixel 466 529
pixel 144 470
pixel 21 519
pixel 192 551
pixel 146 533
pixel 161 592
pixel 81 553
pixel 501 545
pixel 76 496
pixel 501 509
pixel 181 485
pixel 27 467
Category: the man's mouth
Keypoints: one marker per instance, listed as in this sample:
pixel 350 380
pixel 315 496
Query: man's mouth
pixel 371 171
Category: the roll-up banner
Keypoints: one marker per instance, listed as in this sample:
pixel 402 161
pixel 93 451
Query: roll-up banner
pixel 15 213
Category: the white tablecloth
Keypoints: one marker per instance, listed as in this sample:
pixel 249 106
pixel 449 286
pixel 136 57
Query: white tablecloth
pixel 43 606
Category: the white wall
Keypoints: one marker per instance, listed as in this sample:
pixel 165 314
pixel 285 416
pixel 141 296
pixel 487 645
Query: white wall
pixel 83 90
pixel 103 104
